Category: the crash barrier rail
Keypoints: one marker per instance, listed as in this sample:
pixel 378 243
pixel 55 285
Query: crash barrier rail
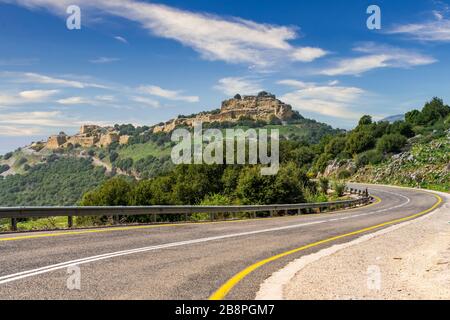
pixel 16 213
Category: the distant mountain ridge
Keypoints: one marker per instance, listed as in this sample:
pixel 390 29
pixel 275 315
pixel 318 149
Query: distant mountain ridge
pixel 397 117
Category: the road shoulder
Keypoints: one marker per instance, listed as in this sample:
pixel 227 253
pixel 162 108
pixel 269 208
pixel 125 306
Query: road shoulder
pixel 406 261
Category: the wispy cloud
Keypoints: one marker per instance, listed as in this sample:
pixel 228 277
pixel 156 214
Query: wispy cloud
pixel 37 121
pixel 233 85
pixel 328 100
pixel 18 131
pixel 230 39
pixel 435 29
pixel 176 95
pixel 36 78
pixel 26 96
pixel 36 118
pixel 18 62
pixel 75 101
pixel 121 39
pixel 101 60
pixel 146 101
pixel 377 56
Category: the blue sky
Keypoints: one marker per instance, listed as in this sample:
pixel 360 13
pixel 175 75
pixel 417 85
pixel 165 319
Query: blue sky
pixel 144 62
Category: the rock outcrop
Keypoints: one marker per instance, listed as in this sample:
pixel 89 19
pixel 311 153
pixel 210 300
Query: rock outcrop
pixel 89 136
pixel 264 106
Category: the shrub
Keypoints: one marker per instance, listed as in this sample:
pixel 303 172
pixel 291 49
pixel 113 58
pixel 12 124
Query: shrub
pixel 339 189
pixel 7 155
pixel 369 157
pixel 324 184
pixel 4 168
pixel 21 161
pixel 391 143
pixel 343 174
pixel 113 156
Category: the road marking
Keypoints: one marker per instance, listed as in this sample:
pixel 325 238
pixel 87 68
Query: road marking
pixel 63 265
pixel 222 292
pixel 58 234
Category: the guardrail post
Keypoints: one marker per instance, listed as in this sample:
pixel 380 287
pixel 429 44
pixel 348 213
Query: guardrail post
pixel 13 224
pixel 211 216
pixel 69 221
pixel 186 217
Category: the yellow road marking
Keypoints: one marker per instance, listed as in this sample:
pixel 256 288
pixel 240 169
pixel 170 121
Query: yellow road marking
pixel 222 292
pixel 58 234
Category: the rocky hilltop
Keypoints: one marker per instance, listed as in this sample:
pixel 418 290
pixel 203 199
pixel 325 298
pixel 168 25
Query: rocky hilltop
pixel 264 106
pixel 89 136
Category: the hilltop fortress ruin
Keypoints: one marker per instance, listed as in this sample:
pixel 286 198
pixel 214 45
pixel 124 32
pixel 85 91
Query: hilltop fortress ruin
pixel 264 106
pixel 89 136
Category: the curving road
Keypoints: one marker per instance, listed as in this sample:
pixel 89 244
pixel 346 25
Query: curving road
pixel 187 261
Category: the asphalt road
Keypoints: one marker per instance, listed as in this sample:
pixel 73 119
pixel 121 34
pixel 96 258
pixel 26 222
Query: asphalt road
pixel 187 261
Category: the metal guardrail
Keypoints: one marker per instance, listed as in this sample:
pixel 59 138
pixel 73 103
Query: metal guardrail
pixel 15 213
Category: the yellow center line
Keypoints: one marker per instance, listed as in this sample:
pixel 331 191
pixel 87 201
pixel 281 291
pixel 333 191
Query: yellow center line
pixel 112 229
pixel 222 292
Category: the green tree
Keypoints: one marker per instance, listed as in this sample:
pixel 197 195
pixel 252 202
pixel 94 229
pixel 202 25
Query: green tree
pixel 114 192
pixel 359 141
pixel 365 120
pixel 335 146
pixel 434 111
pixel 413 117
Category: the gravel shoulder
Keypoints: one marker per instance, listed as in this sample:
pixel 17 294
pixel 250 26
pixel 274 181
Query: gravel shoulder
pixel 411 262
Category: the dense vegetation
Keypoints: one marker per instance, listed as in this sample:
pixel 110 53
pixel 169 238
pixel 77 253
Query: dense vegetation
pixel 60 181
pixel 374 142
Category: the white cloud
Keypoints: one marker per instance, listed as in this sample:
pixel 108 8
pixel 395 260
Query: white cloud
pixel 101 60
pixel 121 39
pixel 378 56
pixel 75 100
pixel 434 30
pixel 167 94
pixel 36 78
pixel 38 120
pixel 328 100
pixel 18 131
pixel 146 101
pixel 308 54
pixel 233 85
pixel 27 96
pixel 233 40
pixel 35 118
pixel 296 83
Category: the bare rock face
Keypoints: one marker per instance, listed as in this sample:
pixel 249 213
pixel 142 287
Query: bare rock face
pixel 264 106
pixel 56 141
pixel 89 136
